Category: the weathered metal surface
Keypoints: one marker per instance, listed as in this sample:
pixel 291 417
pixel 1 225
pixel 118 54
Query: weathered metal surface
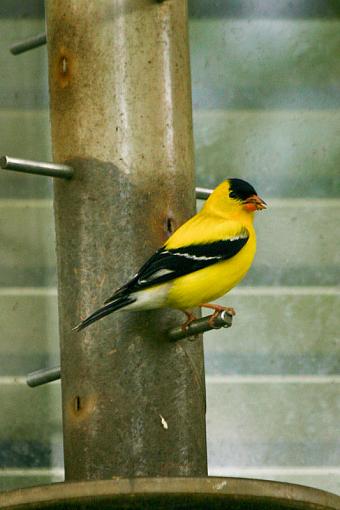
pixel 222 320
pixel 121 117
pixel 172 493
pixel 28 166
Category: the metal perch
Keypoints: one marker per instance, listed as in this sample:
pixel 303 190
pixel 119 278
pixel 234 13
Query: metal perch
pixel 28 166
pixel 203 193
pixel 28 44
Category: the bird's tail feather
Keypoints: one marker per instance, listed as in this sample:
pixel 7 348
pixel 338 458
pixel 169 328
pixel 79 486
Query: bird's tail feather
pixel 103 311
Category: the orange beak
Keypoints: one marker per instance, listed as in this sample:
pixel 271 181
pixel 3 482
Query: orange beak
pixel 254 203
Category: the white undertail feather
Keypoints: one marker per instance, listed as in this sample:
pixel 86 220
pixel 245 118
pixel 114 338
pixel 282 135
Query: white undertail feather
pixel 149 299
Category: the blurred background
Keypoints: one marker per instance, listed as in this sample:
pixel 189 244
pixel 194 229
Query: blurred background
pixel 266 99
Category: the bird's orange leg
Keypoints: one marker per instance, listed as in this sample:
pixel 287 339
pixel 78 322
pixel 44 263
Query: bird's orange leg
pixel 190 318
pixel 218 308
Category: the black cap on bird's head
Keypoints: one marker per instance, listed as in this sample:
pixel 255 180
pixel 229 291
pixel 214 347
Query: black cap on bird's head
pixel 244 192
pixel 240 189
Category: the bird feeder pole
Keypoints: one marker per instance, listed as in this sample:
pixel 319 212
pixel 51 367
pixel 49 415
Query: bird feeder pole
pixel 120 108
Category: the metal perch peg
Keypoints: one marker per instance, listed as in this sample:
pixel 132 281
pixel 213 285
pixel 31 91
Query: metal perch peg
pixel 28 44
pixel 43 376
pixel 203 193
pixel 36 167
pixel 222 320
pixel 198 326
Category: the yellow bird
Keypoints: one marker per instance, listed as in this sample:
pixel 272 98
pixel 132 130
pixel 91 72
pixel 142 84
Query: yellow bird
pixel 202 260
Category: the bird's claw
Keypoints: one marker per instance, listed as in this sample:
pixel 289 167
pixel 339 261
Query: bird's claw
pixel 190 318
pixel 217 309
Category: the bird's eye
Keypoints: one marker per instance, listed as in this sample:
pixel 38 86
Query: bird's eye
pixel 232 194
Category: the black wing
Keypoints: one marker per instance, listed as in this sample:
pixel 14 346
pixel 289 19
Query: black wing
pixel 168 264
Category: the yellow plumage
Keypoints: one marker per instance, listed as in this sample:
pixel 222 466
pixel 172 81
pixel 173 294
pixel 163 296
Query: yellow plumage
pixel 200 262
pixel 218 219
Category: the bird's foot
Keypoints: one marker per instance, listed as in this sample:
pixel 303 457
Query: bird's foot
pixel 217 309
pixel 190 318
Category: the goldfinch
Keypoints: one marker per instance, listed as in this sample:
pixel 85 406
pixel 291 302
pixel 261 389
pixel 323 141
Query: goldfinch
pixel 200 262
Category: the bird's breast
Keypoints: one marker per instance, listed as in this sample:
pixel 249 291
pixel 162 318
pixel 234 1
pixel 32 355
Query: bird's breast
pixel 213 281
